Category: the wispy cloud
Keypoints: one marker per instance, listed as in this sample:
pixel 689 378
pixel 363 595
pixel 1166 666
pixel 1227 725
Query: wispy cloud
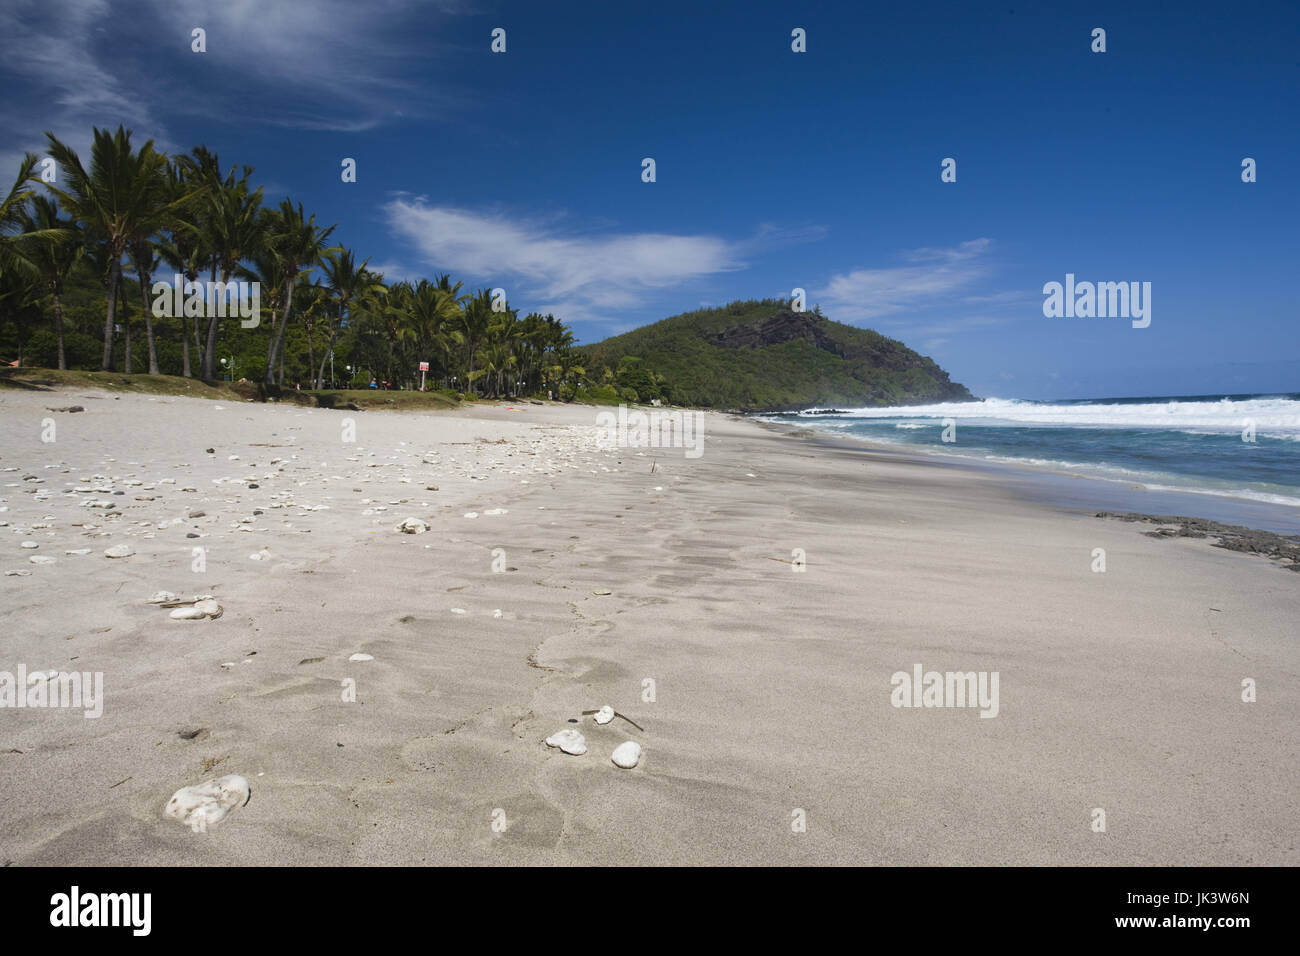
pixel 55 49
pixel 932 276
pixel 315 64
pixel 936 334
pixel 586 275
pixel 332 65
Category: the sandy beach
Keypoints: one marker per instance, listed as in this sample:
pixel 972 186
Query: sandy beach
pixel 759 599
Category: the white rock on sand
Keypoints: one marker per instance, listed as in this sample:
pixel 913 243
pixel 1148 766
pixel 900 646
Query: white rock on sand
pixel 413 526
pixel 209 803
pixel 198 610
pixel 605 714
pixel 626 754
pixel 119 551
pixel 570 741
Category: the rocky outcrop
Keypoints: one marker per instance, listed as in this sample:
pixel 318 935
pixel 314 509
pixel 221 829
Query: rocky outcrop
pixel 784 326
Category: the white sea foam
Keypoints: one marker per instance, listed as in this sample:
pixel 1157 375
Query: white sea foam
pixel 1272 417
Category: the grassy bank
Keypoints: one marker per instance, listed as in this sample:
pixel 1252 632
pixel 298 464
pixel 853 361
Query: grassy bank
pixel 46 379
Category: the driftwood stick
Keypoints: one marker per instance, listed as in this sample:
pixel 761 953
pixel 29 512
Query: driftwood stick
pixel 587 713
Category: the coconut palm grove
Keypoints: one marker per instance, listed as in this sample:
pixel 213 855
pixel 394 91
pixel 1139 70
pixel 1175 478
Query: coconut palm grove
pixel 85 248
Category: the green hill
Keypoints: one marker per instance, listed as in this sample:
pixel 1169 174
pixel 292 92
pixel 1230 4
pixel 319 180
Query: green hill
pixel 758 355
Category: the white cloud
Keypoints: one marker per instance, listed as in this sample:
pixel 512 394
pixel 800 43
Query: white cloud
pixel 55 47
pixel 587 274
pixel 314 64
pixel 933 277
pixel 70 65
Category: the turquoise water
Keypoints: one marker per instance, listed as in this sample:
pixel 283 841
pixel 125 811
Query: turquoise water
pixel 1189 444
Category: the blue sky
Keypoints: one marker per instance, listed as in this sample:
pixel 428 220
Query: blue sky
pixel 819 170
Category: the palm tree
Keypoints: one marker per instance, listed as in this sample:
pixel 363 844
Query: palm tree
pixel 52 246
pixel 316 304
pixel 433 309
pixel 20 280
pixel 12 209
pixel 397 323
pixel 144 259
pixel 352 286
pixel 449 308
pixel 180 244
pixel 532 346
pixel 473 327
pixel 264 269
pixel 234 230
pixel 299 245
pixel 122 197
pixel 499 351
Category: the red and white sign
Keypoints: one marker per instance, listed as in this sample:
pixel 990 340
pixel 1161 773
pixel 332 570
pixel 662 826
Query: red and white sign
pixel 424 366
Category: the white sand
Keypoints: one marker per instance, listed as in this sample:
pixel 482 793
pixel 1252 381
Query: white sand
pixel 1119 691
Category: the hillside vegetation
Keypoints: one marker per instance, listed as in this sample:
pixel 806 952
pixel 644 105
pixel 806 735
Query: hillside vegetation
pixel 758 355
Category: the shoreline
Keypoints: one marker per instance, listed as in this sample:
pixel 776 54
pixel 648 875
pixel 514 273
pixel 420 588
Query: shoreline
pixel 1058 488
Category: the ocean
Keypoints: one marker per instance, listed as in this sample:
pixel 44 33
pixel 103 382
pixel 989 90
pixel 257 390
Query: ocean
pixel 1242 447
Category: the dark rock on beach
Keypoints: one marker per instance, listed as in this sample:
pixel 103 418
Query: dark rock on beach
pixel 1233 537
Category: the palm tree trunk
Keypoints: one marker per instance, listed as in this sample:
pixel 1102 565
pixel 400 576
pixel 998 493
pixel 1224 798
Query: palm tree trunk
pixel 143 274
pixel 277 339
pixel 320 376
pixel 126 325
pixel 58 327
pixel 207 368
pixel 311 352
pixel 210 352
pixel 187 368
pixel 110 316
